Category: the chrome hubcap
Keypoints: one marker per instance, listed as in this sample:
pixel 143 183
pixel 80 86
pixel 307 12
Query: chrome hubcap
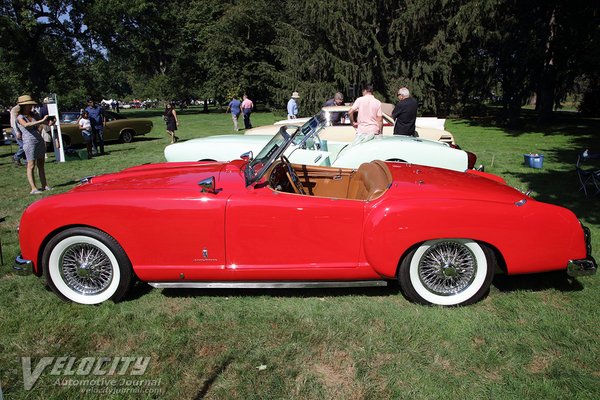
pixel 86 269
pixel 447 268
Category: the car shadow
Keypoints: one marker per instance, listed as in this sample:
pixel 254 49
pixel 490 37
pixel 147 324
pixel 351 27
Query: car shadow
pixel 146 139
pixel 557 280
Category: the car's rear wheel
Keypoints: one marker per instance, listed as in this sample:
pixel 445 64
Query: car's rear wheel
pixel 447 272
pixel 126 136
pixel 66 140
pixel 86 266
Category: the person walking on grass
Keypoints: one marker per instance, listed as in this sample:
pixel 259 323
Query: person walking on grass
pixel 33 143
pixel 234 106
pixel 170 117
pixel 247 107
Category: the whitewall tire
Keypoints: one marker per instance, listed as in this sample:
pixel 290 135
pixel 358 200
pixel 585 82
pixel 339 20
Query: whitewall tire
pixel 86 266
pixel 447 272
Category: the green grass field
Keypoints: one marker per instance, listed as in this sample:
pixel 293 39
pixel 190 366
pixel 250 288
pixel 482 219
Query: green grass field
pixel 532 337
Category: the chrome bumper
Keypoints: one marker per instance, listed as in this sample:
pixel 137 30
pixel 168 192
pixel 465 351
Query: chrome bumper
pixel 23 266
pixel 582 267
pixel 585 266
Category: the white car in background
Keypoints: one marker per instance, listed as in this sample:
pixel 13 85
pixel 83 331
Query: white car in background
pixel 430 128
pixel 311 148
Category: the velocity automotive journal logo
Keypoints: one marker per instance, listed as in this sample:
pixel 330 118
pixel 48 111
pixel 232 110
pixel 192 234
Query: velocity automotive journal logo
pixel 92 374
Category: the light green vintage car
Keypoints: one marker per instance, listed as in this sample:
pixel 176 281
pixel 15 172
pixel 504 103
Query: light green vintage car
pixel 326 150
pixel 117 127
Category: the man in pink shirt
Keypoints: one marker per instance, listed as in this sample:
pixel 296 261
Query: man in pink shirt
pixel 247 106
pixel 369 123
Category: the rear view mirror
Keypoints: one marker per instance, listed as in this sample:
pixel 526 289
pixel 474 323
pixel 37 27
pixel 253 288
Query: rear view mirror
pixel 247 156
pixel 207 185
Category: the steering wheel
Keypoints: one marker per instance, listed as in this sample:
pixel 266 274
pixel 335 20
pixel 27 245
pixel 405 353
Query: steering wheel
pixel 292 177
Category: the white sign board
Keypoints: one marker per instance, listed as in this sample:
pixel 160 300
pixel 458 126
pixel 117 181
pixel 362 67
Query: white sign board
pixel 59 151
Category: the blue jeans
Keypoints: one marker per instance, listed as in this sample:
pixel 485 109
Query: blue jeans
pixel 98 139
pixel 247 123
pixel 20 154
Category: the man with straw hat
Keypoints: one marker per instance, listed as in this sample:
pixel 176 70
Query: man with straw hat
pixel 292 106
pixel 33 143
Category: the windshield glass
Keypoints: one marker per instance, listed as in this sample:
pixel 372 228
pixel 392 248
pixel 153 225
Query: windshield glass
pixel 304 136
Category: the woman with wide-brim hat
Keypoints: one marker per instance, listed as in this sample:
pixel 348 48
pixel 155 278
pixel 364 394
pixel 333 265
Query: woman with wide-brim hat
pixel 33 143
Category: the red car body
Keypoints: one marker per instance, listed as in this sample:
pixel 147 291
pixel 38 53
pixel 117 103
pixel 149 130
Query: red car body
pixel 172 232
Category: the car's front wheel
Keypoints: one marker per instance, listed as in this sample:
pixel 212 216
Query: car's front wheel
pixel 447 272
pixel 86 266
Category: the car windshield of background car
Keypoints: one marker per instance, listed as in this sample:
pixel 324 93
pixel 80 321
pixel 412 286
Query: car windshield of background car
pixel 309 132
pixel 287 135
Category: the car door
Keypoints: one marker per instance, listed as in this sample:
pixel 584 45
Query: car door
pixel 273 235
pixel 111 128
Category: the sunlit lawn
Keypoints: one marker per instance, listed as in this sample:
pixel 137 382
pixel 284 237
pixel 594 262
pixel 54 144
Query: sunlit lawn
pixel 532 337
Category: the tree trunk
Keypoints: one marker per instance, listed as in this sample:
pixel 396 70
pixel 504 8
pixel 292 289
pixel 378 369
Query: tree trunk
pixel 547 82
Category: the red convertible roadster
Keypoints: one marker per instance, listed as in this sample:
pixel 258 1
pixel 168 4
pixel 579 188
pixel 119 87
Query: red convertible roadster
pixel 266 223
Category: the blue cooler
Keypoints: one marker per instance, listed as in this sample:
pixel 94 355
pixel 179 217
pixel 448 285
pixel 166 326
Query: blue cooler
pixel 534 161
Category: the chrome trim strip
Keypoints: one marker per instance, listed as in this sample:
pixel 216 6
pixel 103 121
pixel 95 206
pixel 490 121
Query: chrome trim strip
pixel 581 267
pixel 264 285
pixel 22 266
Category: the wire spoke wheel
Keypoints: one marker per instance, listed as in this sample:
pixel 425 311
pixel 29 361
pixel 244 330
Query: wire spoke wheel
pixel 86 266
pixel 86 269
pixel 447 272
pixel 447 268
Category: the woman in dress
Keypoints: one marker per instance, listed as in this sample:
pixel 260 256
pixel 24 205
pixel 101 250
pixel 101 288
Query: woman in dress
pixel 170 118
pixel 33 143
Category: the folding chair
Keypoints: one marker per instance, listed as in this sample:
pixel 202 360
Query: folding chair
pixel 588 177
pixel 2 219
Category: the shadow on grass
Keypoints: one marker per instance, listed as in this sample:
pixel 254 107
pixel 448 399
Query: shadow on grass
pixel 138 290
pixel 557 280
pixel 561 188
pixel 562 123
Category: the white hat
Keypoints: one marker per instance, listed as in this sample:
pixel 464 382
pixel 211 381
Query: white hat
pixel 295 95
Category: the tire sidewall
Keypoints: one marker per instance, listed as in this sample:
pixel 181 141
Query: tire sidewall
pixel 416 291
pixel 120 264
pixel 127 136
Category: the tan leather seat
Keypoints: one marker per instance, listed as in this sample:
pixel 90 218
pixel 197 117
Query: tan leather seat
pixel 370 181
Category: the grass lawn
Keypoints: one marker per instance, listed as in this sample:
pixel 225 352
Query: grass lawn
pixel 532 337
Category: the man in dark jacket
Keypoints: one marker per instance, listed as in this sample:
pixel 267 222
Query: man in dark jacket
pixel 405 113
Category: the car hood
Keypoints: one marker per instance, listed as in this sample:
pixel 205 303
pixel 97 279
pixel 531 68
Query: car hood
pixel 427 182
pixel 179 176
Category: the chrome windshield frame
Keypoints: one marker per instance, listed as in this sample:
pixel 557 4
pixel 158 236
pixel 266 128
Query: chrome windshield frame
pixel 279 143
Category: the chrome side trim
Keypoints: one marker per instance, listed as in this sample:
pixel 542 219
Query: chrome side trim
pixel 581 267
pixel 22 266
pixel 264 285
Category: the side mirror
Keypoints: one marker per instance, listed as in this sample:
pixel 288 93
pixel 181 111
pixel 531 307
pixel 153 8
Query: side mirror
pixel 247 156
pixel 207 185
